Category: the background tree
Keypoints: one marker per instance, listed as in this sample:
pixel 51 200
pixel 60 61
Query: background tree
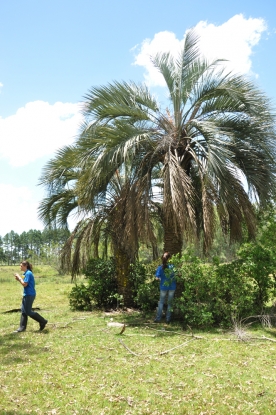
pixel 32 245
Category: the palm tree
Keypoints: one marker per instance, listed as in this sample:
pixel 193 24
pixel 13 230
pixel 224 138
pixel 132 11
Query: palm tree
pixel 210 153
pixel 117 214
pixel 213 146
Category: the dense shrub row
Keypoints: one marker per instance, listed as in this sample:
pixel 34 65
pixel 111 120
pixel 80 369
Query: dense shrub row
pixel 207 294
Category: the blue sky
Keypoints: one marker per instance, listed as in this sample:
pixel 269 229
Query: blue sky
pixel 52 52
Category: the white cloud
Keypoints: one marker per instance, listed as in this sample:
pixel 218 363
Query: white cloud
pixel 162 42
pixel 18 210
pixel 36 130
pixel 233 40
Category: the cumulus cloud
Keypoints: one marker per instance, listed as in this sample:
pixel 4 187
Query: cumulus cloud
pixel 19 211
pixel 36 130
pixel 234 40
pixel 162 42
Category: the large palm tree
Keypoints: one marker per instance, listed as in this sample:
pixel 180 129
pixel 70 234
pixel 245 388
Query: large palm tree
pixel 115 215
pixel 213 145
pixel 210 153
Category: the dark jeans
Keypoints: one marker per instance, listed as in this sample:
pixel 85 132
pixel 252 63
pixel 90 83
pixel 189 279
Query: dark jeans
pixel 27 303
pixel 26 311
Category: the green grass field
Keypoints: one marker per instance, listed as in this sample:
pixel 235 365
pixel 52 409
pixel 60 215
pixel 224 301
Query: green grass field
pixel 80 364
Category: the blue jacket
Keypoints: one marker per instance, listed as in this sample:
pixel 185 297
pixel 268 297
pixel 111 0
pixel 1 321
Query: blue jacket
pixel 30 288
pixel 167 282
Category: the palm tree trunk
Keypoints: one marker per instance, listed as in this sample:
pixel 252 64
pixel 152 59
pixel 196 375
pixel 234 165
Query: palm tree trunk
pixel 122 264
pixel 173 239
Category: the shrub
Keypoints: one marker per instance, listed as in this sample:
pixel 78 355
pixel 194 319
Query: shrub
pixel 258 265
pixel 146 291
pixel 215 293
pixel 207 293
pixel 80 298
pixel 192 301
pixel 232 294
pixel 100 290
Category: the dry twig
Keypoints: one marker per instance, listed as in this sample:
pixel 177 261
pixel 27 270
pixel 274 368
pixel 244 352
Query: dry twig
pixel 130 351
pixel 176 347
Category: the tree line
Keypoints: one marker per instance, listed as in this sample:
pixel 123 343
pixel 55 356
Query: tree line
pixel 37 246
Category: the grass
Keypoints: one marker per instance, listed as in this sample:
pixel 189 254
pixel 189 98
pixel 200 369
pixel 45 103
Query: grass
pixel 80 364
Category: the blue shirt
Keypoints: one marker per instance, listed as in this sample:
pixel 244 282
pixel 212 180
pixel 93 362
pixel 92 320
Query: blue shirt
pixel 29 278
pixel 167 282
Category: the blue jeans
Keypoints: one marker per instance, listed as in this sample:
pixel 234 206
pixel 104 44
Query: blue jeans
pixel 26 311
pixel 27 304
pixel 163 294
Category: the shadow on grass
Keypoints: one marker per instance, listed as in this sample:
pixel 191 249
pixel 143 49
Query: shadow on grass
pixel 15 346
pixel 271 332
pixel 3 412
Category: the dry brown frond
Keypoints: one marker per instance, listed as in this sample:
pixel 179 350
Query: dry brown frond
pixel 178 197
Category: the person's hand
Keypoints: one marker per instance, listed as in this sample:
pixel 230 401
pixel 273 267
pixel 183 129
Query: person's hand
pixel 16 276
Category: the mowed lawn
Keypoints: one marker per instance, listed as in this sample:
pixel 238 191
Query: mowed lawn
pixel 83 363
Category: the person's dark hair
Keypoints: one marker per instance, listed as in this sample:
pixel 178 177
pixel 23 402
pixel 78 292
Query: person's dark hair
pixel 165 258
pixel 27 264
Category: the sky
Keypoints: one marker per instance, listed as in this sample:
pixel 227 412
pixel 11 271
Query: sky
pixel 53 51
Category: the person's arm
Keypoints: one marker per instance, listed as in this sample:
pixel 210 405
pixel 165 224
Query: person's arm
pixel 157 274
pixel 20 279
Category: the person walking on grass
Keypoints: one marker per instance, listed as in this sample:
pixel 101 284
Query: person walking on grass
pixel 165 275
pixel 29 293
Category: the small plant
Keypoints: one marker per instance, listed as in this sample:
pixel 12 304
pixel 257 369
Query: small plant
pixel 120 300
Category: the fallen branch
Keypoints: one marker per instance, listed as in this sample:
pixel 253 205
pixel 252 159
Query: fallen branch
pixel 130 351
pixel 176 347
pixel 175 332
pixel 266 338
pixel 157 354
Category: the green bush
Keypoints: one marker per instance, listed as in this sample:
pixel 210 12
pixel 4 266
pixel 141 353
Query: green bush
pixel 212 294
pixel 207 293
pixel 258 265
pixel 146 292
pixel 232 294
pixel 80 298
pixel 192 303
pixel 101 288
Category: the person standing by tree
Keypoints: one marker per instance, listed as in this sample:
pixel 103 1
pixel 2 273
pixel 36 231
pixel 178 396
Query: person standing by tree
pixel 165 275
pixel 29 293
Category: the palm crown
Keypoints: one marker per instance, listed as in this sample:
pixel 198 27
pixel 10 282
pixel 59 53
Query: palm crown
pixel 210 152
